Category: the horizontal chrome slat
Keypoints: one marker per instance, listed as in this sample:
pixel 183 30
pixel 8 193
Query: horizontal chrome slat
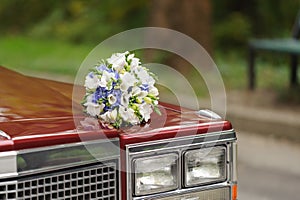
pixel 36 160
pixel 182 192
pixel 213 194
pixel 209 139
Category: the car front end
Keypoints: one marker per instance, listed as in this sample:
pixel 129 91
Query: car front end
pixel 44 154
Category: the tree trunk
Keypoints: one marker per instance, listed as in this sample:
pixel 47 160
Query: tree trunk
pixel 191 17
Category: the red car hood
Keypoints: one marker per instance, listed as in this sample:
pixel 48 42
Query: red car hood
pixel 37 112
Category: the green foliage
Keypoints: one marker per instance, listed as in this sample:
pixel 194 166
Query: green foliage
pixel 233 68
pixel 49 56
pixel 61 58
pixel 233 30
pixel 235 21
pixel 71 20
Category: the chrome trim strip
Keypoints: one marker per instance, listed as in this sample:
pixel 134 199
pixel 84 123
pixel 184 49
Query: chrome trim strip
pixel 113 155
pixel 209 114
pixel 66 145
pixel 119 183
pixel 128 169
pixel 216 133
pixel 8 164
pixel 203 139
pixel 5 135
pixel 234 162
pixel 59 167
pixel 184 191
pixel 183 147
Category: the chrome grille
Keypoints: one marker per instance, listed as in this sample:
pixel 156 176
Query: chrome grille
pixel 93 182
pixel 8 190
pixel 214 194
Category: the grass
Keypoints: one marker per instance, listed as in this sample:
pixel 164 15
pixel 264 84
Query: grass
pixel 272 72
pixel 56 57
pixel 273 75
pixel 61 58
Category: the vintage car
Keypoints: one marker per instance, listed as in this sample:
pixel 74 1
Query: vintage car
pixel 49 151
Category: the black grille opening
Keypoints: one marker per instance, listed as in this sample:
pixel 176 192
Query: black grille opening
pixel 96 181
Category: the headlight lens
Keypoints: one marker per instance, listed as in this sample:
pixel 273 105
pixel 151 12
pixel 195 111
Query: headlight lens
pixel 205 165
pixel 155 174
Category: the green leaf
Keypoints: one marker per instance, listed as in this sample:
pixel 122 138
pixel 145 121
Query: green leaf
pixel 156 109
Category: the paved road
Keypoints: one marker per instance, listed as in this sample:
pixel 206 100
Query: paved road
pixel 269 169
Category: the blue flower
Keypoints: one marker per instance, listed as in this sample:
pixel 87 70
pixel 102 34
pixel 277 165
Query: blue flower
pixel 145 87
pixel 102 67
pixel 91 75
pixel 117 94
pixel 98 94
pixel 117 75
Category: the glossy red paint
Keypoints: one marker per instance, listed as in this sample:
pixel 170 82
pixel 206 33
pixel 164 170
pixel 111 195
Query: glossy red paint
pixel 23 98
pixel 6 145
pixel 37 113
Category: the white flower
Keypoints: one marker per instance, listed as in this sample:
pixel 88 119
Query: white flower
pixel 91 82
pixel 135 62
pixel 145 111
pixel 106 78
pixel 89 99
pixel 93 109
pixel 144 76
pixel 125 99
pixel 111 99
pixel 136 91
pixel 128 115
pixel 118 61
pixel 110 116
pixel 153 91
pixel 130 56
pixel 128 80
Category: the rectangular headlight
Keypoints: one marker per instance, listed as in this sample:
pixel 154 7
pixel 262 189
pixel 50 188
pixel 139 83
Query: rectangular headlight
pixel 155 174
pixel 204 166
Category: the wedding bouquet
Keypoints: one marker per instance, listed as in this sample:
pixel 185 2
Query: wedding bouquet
pixel 120 91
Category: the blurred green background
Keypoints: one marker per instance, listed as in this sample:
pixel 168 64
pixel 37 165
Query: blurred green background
pixel 54 36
